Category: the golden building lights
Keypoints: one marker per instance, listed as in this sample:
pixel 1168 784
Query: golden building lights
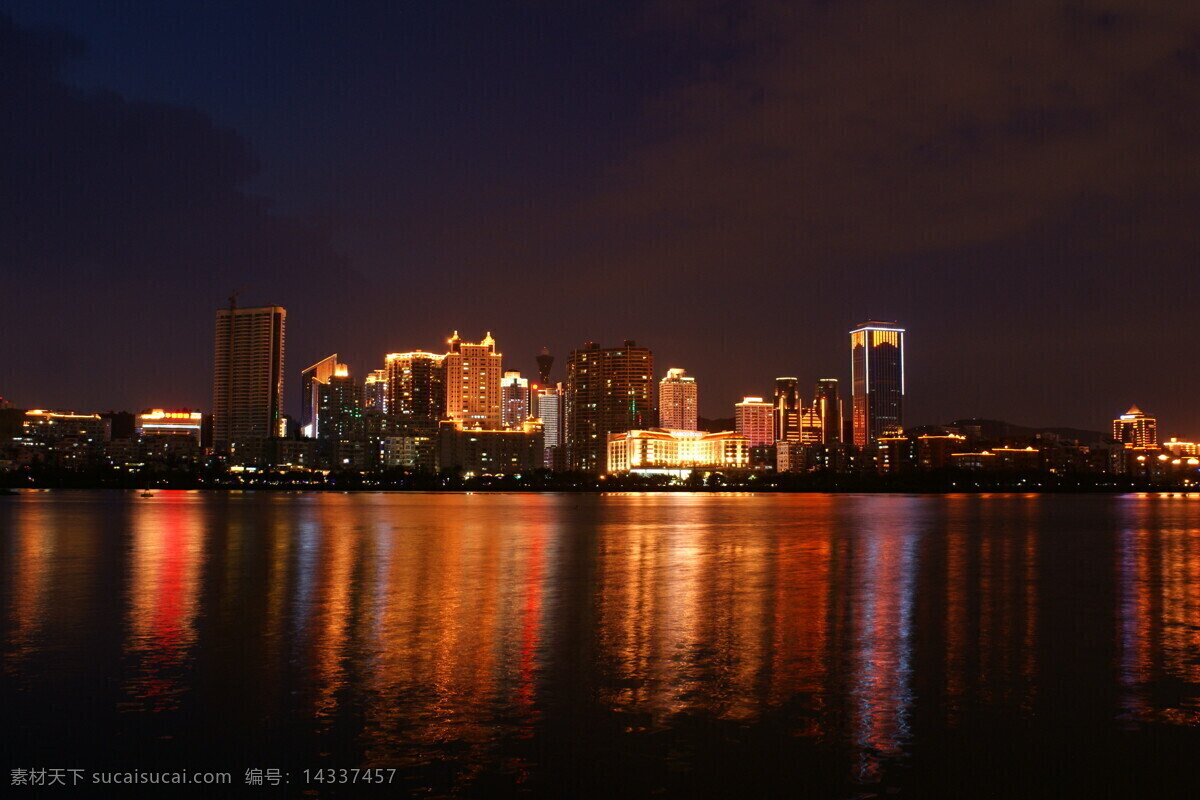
pixel 754 419
pixel 678 404
pixel 662 451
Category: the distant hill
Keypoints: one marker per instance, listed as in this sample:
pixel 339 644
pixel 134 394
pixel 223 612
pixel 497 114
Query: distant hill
pixel 999 429
pixel 716 425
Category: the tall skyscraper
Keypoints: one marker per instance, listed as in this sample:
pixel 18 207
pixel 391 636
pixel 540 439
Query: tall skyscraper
pixel 754 419
pixel 810 425
pixel 514 398
pixel 311 380
pixel 248 375
pixel 416 386
pixel 608 390
pixel 1136 429
pixel 677 401
pixel 473 375
pixel 828 405
pixel 877 379
pixel 374 394
pixel 787 409
pixel 550 411
pixel 339 407
pixel 544 361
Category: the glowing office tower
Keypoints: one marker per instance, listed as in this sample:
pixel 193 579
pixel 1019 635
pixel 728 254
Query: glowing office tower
pixel 754 419
pixel 677 402
pixel 311 380
pixel 416 386
pixel 374 394
pixel 810 425
pixel 514 398
pixel 1136 429
pixel 473 376
pixel 828 406
pixel 877 379
pixel 248 375
pixel 787 410
pixel 608 390
pixel 339 413
pixel 550 412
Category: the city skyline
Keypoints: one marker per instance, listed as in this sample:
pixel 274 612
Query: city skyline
pixel 298 391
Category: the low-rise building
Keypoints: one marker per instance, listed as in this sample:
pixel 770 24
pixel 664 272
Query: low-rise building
pixel 478 451
pixel 662 451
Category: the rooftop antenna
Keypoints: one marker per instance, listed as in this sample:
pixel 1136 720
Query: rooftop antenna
pixel 233 298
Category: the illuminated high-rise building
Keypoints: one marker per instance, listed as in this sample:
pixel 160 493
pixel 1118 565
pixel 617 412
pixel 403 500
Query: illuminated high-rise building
pixel 677 401
pixel 877 380
pixel 810 425
pixel 787 410
pixel 754 418
pixel 514 398
pixel 473 376
pixel 416 386
pixel 248 375
pixel 608 390
pixel 544 361
pixel 551 412
pixel 828 405
pixel 1136 429
pixel 374 393
pixel 339 407
pixel 311 380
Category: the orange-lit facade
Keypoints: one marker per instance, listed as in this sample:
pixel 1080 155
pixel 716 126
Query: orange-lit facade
pixel 787 410
pixel 1178 448
pixel 52 426
pixel 877 380
pixel 415 386
pixel 608 390
pixel 311 381
pixel 374 394
pixel 165 437
pixel 660 450
pixel 754 419
pixel 516 399
pixel 477 451
pixel 810 425
pixel 678 401
pixel 473 377
pixel 158 422
pixel 1135 429
pixel 248 375
pixel 827 403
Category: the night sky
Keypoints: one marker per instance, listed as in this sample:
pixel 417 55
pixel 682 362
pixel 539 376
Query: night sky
pixel 735 185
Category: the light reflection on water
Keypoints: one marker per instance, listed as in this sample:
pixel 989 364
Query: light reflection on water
pixel 1158 624
pixel 436 632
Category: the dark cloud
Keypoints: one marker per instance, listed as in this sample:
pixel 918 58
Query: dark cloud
pixel 1016 181
pixel 124 224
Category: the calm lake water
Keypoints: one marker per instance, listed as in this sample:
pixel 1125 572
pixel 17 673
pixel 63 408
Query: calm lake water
pixel 567 645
